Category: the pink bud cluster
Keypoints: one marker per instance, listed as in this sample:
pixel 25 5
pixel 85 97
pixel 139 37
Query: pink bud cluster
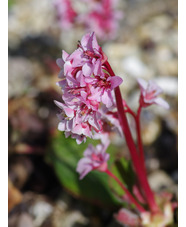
pixel 86 90
pixel 100 16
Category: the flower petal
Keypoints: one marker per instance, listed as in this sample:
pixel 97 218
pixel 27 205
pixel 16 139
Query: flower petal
pixel 65 55
pixel 61 126
pixel 87 69
pixel 60 62
pixel 161 102
pixel 107 98
pixel 115 81
pixel 142 83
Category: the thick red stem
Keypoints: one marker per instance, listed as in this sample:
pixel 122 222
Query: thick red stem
pixel 140 144
pixel 130 196
pixel 132 148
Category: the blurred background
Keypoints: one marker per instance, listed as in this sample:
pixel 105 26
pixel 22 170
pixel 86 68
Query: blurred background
pixel 44 190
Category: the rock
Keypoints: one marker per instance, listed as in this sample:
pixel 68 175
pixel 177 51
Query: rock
pixel 162 21
pixel 14 196
pixel 25 220
pixel 20 76
pixel 20 220
pixel 20 169
pixel 168 84
pixel 120 50
pixel 70 218
pixel 135 67
pixel 159 180
pixel 30 18
pixel 150 131
pixel 152 164
pixel 40 211
pixel 128 84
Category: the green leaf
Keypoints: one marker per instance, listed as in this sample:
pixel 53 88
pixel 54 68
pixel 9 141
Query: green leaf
pixel 122 168
pixel 64 155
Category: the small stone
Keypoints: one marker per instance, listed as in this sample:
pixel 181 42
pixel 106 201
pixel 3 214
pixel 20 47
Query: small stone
pixel 25 220
pixel 71 218
pixel 20 76
pixel 128 84
pixel 119 50
pixel 159 180
pixel 162 21
pixel 134 66
pixel 40 211
pixel 25 19
pixel 168 84
pixel 150 131
pixel 14 196
pixel 20 170
pixel 152 164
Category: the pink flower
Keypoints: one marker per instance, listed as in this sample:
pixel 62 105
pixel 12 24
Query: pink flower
pixel 86 86
pixel 65 12
pixel 80 122
pixel 111 122
pixel 100 16
pixel 89 56
pixel 83 75
pixel 149 94
pixel 94 158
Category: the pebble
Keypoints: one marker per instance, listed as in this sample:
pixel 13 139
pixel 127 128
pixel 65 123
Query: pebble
pixel 135 67
pixel 71 218
pixel 162 21
pixel 20 170
pixel 168 84
pixel 40 211
pixel 25 220
pixel 20 76
pixel 159 180
pixel 30 18
pixel 150 132
pixel 14 196
pixel 119 50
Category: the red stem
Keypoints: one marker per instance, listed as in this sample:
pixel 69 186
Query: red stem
pixel 130 196
pixel 140 144
pixel 132 148
pixel 128 110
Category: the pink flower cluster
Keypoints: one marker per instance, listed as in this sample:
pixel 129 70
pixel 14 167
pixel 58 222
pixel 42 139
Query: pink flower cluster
pixel 66 14
pixel 100 16
pixel 86 90
pixel 103 19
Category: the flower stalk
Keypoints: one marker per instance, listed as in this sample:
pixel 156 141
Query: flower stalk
pixel 140 171
pixel 140 144
pixel 127 192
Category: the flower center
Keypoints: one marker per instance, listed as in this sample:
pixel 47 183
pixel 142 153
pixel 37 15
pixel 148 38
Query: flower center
pixel 150 95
